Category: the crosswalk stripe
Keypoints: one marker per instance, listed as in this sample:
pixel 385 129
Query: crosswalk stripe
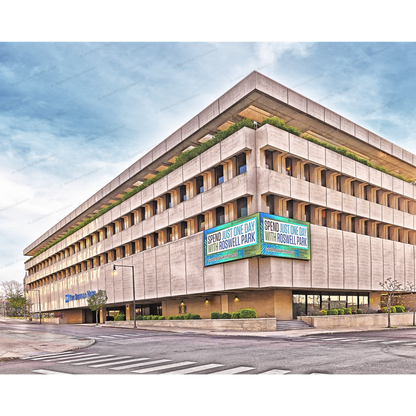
pixel 275 371
pixel 235 370
pixel 121 362
pixel 317 374
pixel 84 359
pixel 123 336
pixel 194 369
pixel 163 367
pixel 139 364
pixel 47 355
pixel 101 359
pixel 65 358
pixel 370 340
pixel 69 355
pixel 391 342
pixel 104 336
pixel 412 343
pixel 53 373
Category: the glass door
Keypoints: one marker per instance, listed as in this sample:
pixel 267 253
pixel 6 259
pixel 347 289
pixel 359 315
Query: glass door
pixel 299 305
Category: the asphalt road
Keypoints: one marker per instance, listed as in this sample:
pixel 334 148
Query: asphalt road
pixel 127 351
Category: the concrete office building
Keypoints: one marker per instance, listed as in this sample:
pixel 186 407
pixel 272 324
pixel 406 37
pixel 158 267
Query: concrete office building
pixel 362 220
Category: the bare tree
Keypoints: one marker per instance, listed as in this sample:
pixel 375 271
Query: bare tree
pixel 391 287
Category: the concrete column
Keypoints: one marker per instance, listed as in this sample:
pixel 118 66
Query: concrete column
pixel 102 314
pixel 374 300
pixel 224 303
pixel 283 305
pixel 164 308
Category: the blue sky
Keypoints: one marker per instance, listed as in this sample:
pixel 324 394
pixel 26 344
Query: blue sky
pixel 75 115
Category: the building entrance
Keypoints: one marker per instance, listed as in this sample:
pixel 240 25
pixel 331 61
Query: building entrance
pixel 149 309
pixel 112 311
pixel 310 303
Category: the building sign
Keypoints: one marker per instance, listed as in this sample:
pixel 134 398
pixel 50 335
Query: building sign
pixel 284 237
pixel 258 234
pixel 232 241
pixel 70 298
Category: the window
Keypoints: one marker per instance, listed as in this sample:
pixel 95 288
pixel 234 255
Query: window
pixel 219 175
pixel 270 203
pixel 201 222
pixel 199 185
pixel 155 208
pixel 307 173
pixel 168 201
pixel 338 221
pixel 323 216
pixel 323 178
pixel 156 239
pixel 184 229
pixel 269 159
pixel 289 209
pixel 241 164
pixel 241 207
pixel 220 217
pixel 307 217
pixel 144 243
pixel 182 192
pixel 288 165
pixel 339 183
pixel 122 251
pixel 169 234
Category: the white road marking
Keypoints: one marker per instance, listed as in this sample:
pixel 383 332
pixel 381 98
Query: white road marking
pixel 349 339
pixel 391 342
pixel 121 362
pixel 139 365
pixel 81 359
pixel 104 336
pixel 331 339
pixel 412 343
pixel 318 374
pixel 235 370
pixel 371 340
pixel 65 358
pixel 123 336
pixel 276 371
pixel 195 369
pixel 163 367
pixel 101 359
pixel 50 372
pixel 47 355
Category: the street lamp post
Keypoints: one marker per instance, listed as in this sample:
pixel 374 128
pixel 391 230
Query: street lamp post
pixel 40 312
pixel 134 291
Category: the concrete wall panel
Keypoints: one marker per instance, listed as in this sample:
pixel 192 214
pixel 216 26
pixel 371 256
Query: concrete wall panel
pixel 335 259
pixel 194 246
pixel 364 261
pixel 319 254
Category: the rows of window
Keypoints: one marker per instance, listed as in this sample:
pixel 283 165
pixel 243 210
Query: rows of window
pixel 310 172
pixel 193 187
pixel 217 216
pixel 319 175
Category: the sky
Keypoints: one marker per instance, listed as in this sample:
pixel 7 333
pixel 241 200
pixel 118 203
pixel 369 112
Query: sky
pixel 73 115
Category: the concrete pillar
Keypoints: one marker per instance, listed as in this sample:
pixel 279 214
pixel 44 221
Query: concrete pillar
pixel 164 308
pixel 224 303
pixel 283 305
pixel 129 311
pixel 102 314
pixel 374 300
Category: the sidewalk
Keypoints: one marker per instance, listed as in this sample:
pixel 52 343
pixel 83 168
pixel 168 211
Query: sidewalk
pixel 16 343
pixel 272 334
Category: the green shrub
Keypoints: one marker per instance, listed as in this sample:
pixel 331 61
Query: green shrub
pixel 333 312
pixel 215 315
pixel 347 311
pixel 155 317
pixel 323 312
pixel 171 318
pixel 120 317
pixel 248 313
pixel 392 309
pixel 139 317
pixel 225 315
pixel 162 318
pixel 360 311
pixel 181 316
pixel 340 311
pixel 235 315
pixel 196 316
pixel 400 309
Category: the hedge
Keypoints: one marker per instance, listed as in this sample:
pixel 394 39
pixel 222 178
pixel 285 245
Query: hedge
pixel 235 315
pixel 248 313
pixel 225 315
pixel 360 311
pixel 120 317
pixel 333 312
pixel 347 311
pixel 340 311
pixel 400 309
pixel 392 309
pixel 215 315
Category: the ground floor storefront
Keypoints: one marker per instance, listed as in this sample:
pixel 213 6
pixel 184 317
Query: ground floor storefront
pixel 284 304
